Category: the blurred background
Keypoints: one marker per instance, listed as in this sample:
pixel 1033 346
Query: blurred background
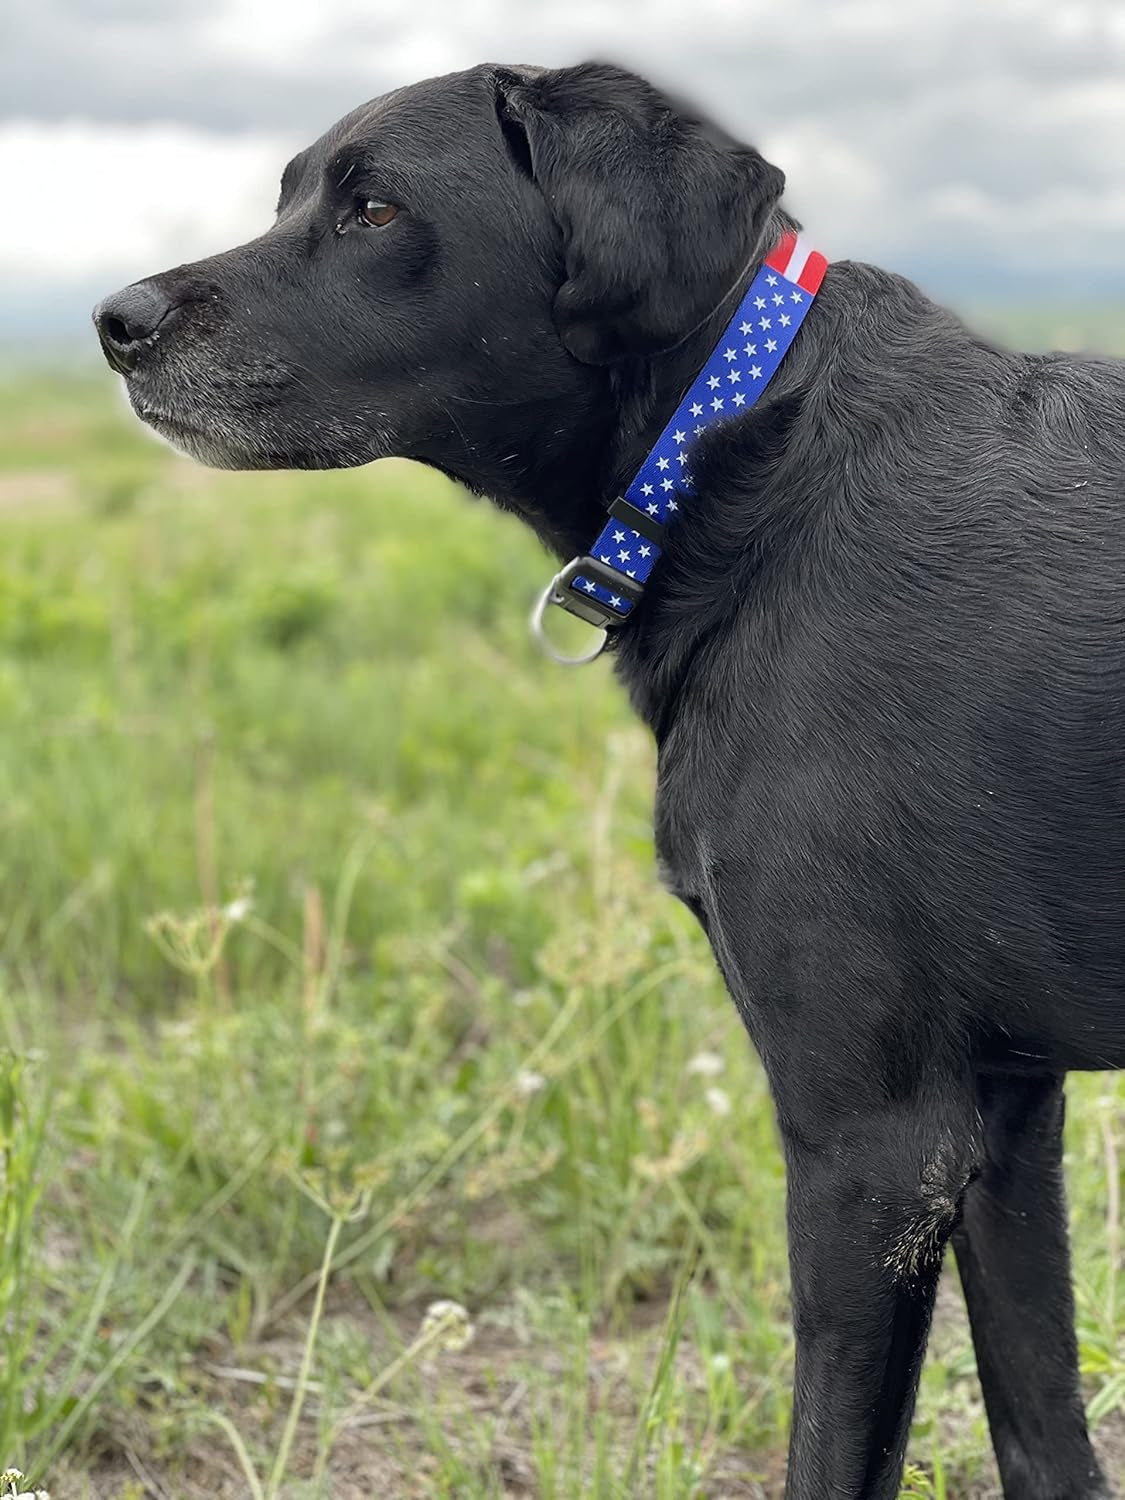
pixel 370 1122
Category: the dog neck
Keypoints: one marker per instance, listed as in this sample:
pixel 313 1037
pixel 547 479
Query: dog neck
pixel 563 488
pixel 558 460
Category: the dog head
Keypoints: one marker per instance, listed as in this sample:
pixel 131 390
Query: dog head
pixel 455 272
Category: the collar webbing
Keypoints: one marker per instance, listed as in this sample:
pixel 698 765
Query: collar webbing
pixel 605 586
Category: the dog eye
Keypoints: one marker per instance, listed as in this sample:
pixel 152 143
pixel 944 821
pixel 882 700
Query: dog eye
pixel 373 213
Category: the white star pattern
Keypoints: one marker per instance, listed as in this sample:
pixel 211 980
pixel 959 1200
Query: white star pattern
pixel 771 280
pixel 734 375
pixel 697 410
pixel 717 404
pixel 759 303
pixel 624 556
pixel 740 398
pixel 652 509
pixel 756 372
pixel 589 587
pixel 672 505
pixel 618 536
pixel 666 484
pixel 661 463
pixel 785 320
pixel 763 323
pixel 644 551
pixel 679 435
pixel 615 601
pixel 729 354
pixel 713 382
pixel 699 431
pixel 778 299
pixel 751 350
pixel 795 297
pixel 646 489
pixel 681 458
pixel 745 327
pixel 771 346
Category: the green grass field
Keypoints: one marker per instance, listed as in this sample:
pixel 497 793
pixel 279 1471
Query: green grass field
pixel 331 941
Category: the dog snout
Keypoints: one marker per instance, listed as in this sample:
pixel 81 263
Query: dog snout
pixel 127 320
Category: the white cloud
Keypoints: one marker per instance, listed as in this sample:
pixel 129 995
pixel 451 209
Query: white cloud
pixel 269 33
pixel 81 199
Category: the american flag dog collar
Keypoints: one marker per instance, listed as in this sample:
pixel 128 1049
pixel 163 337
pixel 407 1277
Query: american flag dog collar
pixel 604 587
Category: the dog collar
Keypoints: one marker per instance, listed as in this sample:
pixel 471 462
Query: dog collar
pixel 605 586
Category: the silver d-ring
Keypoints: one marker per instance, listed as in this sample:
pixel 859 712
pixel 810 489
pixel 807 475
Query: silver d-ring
pixel 553 594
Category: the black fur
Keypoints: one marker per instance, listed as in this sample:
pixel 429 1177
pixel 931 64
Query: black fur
pixel 883 659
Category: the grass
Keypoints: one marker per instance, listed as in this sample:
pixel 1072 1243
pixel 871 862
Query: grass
pixel 336 982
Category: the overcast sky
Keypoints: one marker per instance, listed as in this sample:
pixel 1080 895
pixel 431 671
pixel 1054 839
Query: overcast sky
pixel 975 144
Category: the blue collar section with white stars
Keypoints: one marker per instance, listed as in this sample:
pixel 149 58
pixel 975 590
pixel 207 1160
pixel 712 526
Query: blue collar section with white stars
pixel 605 586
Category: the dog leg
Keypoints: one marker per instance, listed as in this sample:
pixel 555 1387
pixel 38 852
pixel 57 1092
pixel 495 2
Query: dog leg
pixel 1014 1260
pixel 875 1190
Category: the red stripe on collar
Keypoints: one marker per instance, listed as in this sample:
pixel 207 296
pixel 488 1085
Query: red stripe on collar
pixel 798 261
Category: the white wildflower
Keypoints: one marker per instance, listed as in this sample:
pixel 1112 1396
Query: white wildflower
pixel 706 1064
pixel 238 909
pixel 718 1101
pixel 529 1082
pixel 450 1325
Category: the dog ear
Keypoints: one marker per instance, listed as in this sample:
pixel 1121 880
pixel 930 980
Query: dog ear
pixel 659 210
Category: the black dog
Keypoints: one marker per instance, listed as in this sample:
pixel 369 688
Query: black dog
pixel 883 659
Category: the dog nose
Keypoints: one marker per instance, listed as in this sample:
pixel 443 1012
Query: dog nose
pixel 127 319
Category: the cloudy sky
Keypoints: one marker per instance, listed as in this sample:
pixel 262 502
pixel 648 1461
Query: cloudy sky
pixel 978 145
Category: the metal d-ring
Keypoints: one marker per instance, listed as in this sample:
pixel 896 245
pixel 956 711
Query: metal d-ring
pixel 553 594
